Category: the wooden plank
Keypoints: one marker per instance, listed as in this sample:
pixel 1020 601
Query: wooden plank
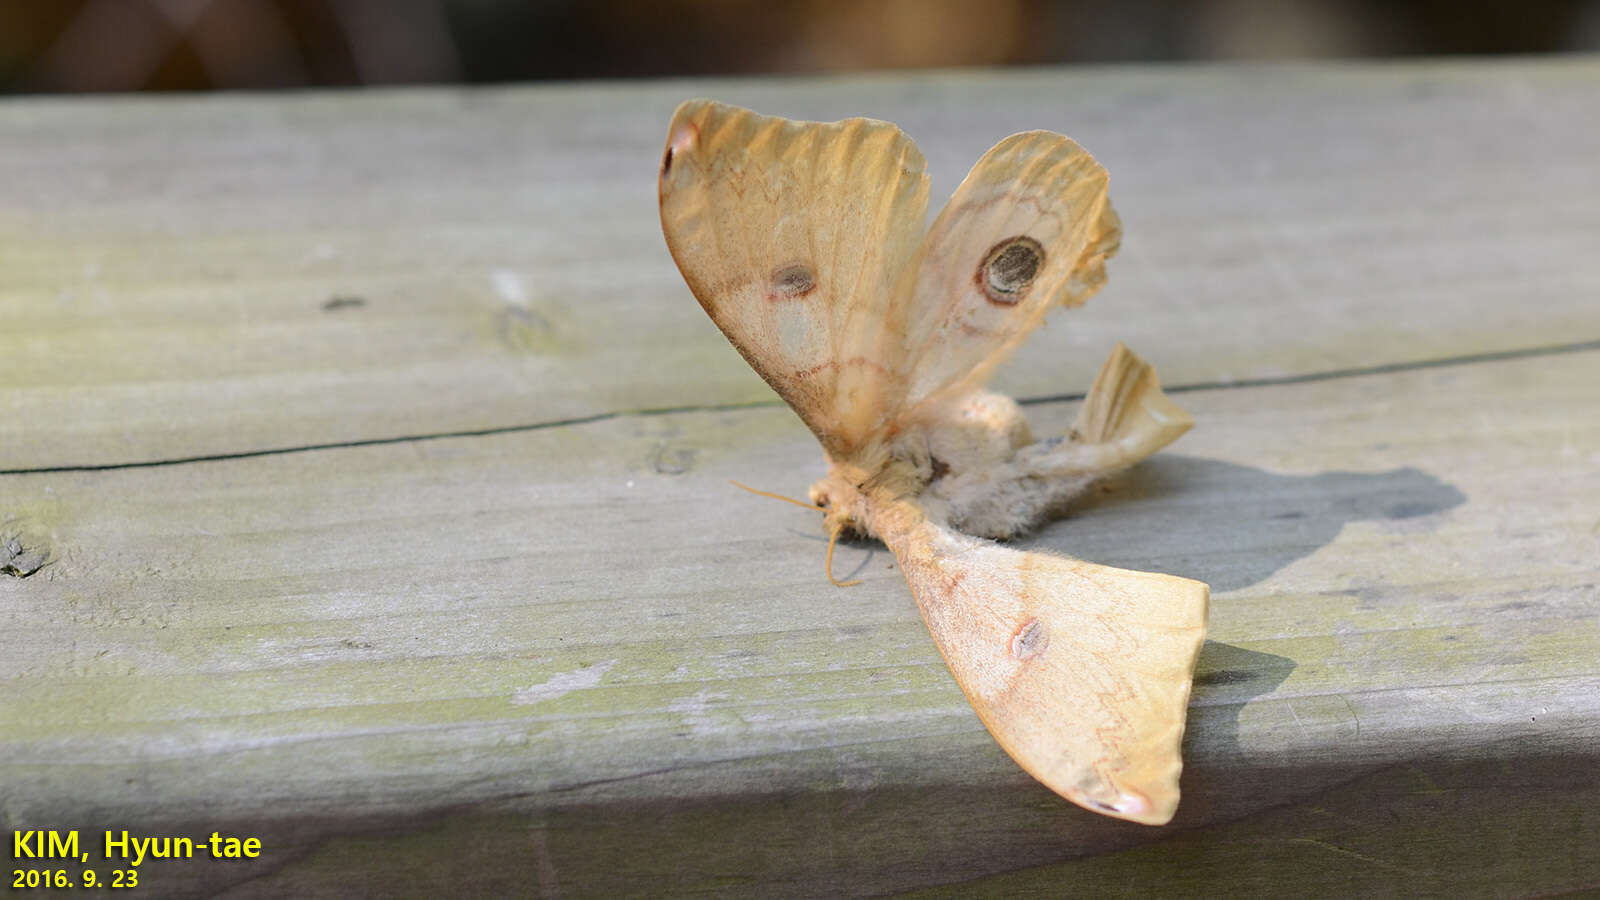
pixel 173 266
pixel 551 630
pixel 569 659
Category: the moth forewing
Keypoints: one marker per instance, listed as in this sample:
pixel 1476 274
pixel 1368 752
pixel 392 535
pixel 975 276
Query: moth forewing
pixel 794 237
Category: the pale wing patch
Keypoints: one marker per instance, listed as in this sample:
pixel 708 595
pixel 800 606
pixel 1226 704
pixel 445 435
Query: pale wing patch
pixel 1081 672
pixel 1029 228
pixel 793 236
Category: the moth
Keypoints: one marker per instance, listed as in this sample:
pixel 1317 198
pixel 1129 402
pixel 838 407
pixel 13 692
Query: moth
pixel 804 242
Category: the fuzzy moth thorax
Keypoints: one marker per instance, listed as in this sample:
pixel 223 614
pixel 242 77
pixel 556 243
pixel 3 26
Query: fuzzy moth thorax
pixel 848 490
pixel 961 440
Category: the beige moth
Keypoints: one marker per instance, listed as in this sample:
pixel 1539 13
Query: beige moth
pixel 804 242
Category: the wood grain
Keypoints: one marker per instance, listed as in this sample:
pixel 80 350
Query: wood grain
pixel 168 261
pixel 566 658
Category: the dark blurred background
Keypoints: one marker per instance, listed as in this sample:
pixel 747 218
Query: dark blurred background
pixel 168 45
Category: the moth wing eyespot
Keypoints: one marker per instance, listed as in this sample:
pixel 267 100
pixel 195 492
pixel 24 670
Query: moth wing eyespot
pixel 792 281
pixel 1008 269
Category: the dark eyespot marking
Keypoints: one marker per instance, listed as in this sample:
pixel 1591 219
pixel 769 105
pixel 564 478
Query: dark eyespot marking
pixel 1030 640
pixel 1009 268
pixel 793 280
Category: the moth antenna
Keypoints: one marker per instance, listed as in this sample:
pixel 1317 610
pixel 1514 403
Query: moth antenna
pixel 774 496
pixel 833 538
pixel 833 533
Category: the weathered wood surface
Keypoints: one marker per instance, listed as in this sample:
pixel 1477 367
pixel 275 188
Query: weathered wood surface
pixel 562 656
